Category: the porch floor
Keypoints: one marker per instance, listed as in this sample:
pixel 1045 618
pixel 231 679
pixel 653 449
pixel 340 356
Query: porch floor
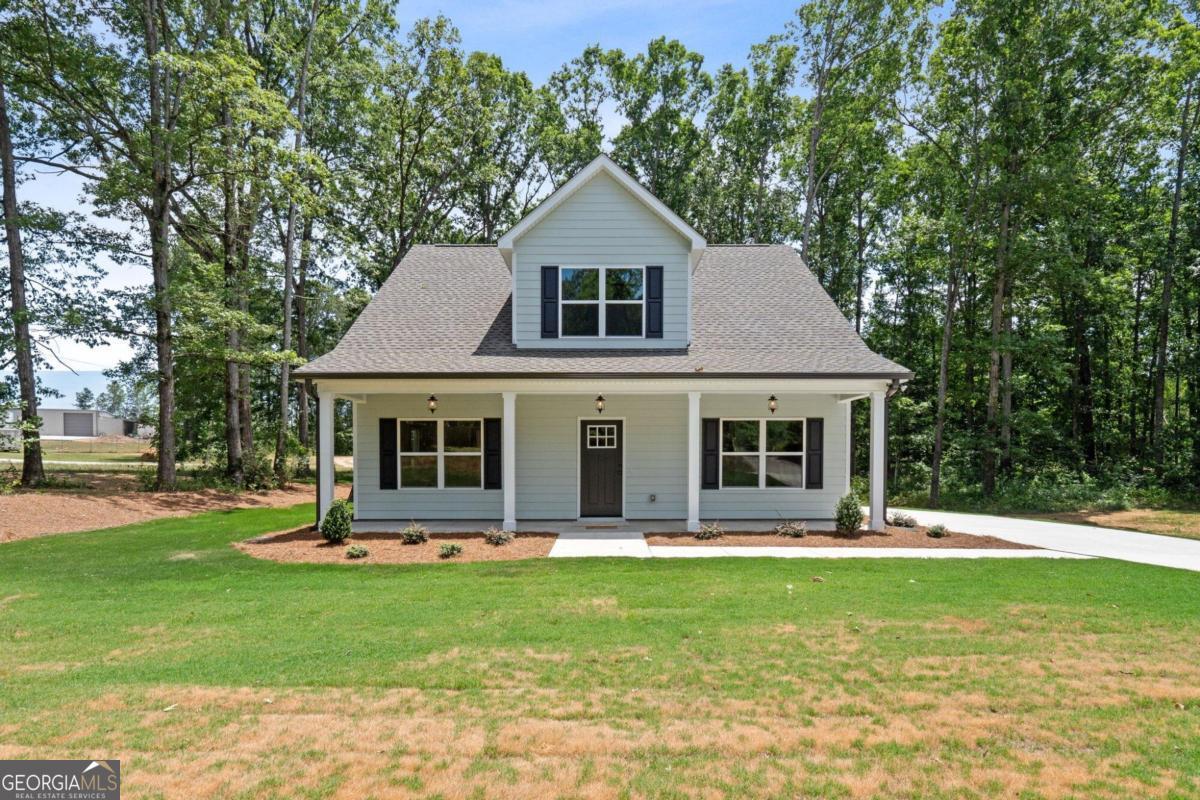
pixel 596 527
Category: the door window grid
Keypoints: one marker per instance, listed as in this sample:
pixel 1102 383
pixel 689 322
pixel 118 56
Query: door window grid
pixel 602 437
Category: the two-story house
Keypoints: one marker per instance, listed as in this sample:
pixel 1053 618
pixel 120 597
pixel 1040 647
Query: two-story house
pixel 601 361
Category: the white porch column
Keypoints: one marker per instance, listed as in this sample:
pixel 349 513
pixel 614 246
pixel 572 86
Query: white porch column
pixel 508 459
pixel 878 467
pixel 693 462
pixel 324 452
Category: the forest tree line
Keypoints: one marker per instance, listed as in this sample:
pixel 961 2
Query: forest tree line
pixel 1002 197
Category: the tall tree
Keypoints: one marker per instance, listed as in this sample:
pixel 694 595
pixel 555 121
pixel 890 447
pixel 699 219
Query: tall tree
pixel 32 472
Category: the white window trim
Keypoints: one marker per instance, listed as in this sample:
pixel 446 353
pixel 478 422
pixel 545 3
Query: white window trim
pixel 601 302
pixel 440 454
pixel 761 453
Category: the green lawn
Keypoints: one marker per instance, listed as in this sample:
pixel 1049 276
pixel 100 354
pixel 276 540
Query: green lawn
pixel 215 675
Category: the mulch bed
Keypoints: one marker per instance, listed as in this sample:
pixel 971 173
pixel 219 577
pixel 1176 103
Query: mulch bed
pixel 305 545
pixel 104 500
pixel 894 537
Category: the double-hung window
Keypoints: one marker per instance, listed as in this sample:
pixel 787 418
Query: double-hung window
pixel 441 454
pixel 762 453
pixel 602 301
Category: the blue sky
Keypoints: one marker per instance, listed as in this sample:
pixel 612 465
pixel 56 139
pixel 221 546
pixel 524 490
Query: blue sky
pixel 535 36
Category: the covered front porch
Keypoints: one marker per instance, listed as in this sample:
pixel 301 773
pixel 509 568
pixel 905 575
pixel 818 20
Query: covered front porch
pixel 573 526
pixel 646 454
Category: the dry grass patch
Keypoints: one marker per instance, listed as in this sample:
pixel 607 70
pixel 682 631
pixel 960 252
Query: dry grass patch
pixel 1185 524
pixel 188 741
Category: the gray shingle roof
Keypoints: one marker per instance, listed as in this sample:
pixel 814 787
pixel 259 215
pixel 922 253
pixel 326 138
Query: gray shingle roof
pixel 757 310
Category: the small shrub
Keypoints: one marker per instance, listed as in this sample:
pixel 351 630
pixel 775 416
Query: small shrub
pixel 415 533
pixel 710 530
pixel 847 516
pixel 936 531
pixel 449 550
pixel 357 551
pixel 497 537
pixel 336 525
pixel 792 529
pixel 901 520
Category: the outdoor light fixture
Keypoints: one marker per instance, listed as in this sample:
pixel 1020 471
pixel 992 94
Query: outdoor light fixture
pixel 599 404
pixel 432 401
pixel 772 403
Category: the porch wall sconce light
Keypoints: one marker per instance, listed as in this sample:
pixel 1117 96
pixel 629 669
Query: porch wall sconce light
pixel 432 403
pixel 599 404
pixel 772 403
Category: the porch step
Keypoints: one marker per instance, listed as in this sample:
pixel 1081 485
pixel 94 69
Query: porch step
pixel 590 543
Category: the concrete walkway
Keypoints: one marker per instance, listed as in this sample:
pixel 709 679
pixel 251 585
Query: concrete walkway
pixel 577 544
pixel 674 551
pixel 1141 548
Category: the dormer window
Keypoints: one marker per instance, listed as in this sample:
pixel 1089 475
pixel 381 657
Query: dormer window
pixel 602 301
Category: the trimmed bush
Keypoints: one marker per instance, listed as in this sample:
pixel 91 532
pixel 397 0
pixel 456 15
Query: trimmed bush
pixel 936 531
pixel 449 550
pixel 335 527
pixel 497 537
pixel 847 516
pixel 710 530
pixel 792 529
pixel 415 533
pixel 901 520
pixel 357 551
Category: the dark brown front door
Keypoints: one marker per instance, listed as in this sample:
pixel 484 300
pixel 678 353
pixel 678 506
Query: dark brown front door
pixel 600 455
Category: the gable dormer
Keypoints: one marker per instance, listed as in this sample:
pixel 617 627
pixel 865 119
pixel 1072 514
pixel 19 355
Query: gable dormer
pixel 601 264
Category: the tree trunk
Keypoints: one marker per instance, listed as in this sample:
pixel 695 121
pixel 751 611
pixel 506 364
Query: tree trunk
pixel 1136 368
pixel 1164 311
pixel 234 466
pixel 158 220
pixel 939 427
pixel 305 389
pixel 32 471
pixel 810 180
pixel 289 247
pixel 995 358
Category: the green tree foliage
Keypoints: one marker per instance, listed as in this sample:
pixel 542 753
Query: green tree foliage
pixel 1002 196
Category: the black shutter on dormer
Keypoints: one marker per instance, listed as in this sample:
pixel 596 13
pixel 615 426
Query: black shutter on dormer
pixel 549 302
pixel 493 464
pixel 710 453
pixel 654 302
pixel 387 453
pixel 814 453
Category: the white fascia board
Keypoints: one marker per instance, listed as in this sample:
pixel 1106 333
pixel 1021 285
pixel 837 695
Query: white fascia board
pixel 602 163
pixel 359 387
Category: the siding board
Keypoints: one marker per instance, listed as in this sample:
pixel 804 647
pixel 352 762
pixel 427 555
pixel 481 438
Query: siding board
pixel 602 224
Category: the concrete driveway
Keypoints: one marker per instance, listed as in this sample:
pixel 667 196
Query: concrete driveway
pixel 1142 548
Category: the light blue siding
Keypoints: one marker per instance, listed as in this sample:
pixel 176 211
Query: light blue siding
pixel 548 454
pixel 602 224
pixel 727 504
pixel 371 502
pixel 547 450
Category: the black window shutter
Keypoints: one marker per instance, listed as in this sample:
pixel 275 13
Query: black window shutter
pixel 549 302
pixel 387 453
pixel 654 302
pixel 814 455
pixel 710 453
pixel 493 464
